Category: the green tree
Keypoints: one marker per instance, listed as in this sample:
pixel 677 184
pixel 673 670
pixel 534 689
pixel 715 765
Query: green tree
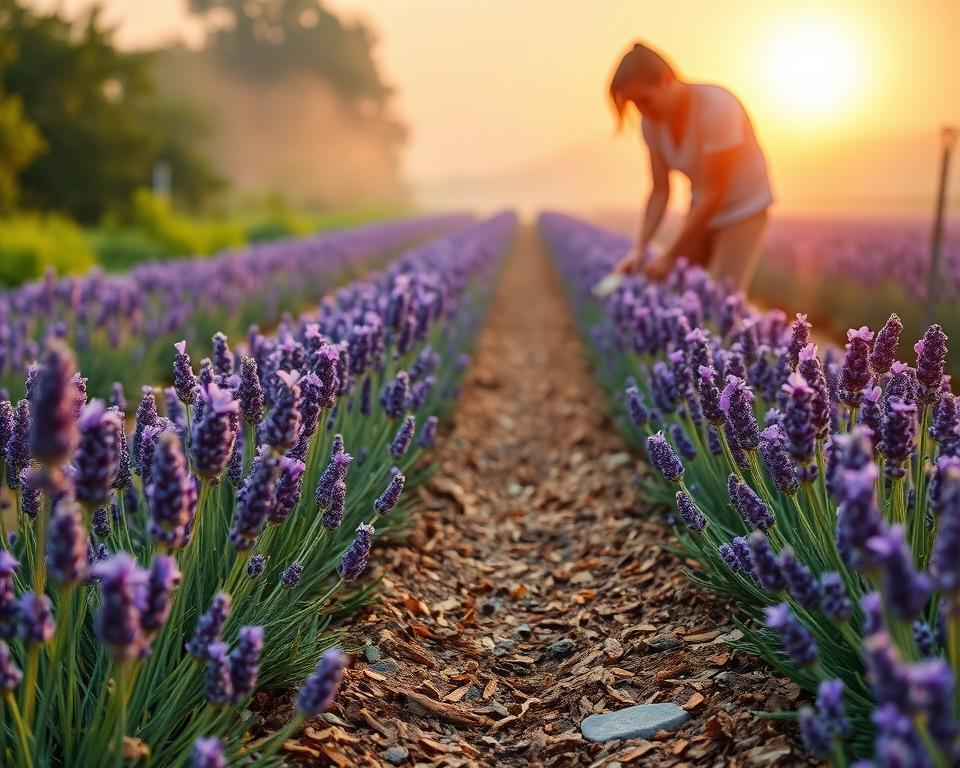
pixel 20 140
pixel 95 108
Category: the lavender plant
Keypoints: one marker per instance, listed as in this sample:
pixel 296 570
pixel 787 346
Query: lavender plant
pixel 140 611
pixel 822 494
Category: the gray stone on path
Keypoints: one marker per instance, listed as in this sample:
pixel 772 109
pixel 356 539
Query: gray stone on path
pixel 637 722
pixel 396 755
pixel 385 667
pixel 371 653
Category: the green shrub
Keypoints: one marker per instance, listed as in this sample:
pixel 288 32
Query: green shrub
pixel 29 243
pixel 120 249
pixel 180 235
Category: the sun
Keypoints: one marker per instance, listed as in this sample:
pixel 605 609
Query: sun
pixel 813 69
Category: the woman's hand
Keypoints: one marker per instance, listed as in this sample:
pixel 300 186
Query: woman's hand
pixel 659 268
pixel 631 263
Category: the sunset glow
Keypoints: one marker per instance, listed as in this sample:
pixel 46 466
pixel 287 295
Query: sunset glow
pixel 815 69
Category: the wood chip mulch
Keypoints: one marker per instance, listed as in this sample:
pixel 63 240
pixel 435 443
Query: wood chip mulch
pixel 534 588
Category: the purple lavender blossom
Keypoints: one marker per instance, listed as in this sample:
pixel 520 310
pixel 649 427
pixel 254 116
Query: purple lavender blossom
pixel 280 427
pixel 290 577
pixel 684 445
pixel 736 402
pixel 855 372
pixel 29 495
pixel 931 697
pixel 289 489
pixel 709 395
pixel 122 478
pixel 35 623
pixel 743 556
pixel 798 424
pixel 691 515
pixel 118 398
pixel 391 495
pixel 53 423
pixel 800 582
pixel 147 416
pixel 663 458
pixel 8 597
pixel 766 569
pixel 325 364
pixel 6 424
pixel 816 739
pixel 886 672
pixel 885 344
pixel 748 504
pixel 945 420
pixel 403 438
pixel 184 379
pixel 245 662
pixel 858 518
pixel 170 493
pixel 117 624
pixel 924 638
pixel 393 399
pixel 256 500
pixel 97 455
pixel 798 644
pixel 812 372
pixel 354 560
pixel 931 358
pixel 635 406
pixel 428 432
pixel 17 451
pixel 335 471
pixel 208 753
pixel 799 338
pixel 336 507
pixel 219 686
pixel 834 602
pixel 157 598
pixel 899 435
pixel 222 356
pixel 10 674
pixel 256 565
pixel 319 689
pixel 210 626
pixel 905 589
pixel 945 558
pixel 213 436
pixel 66 544
pixel 777 461
pixel 311 404
pixel 250 392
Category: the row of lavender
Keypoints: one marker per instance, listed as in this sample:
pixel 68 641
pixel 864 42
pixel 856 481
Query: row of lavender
pixel 121 326
pixel 821 493
pixel 151 580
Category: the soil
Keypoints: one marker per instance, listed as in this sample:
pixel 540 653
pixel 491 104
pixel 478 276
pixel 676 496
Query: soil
pixel 536 587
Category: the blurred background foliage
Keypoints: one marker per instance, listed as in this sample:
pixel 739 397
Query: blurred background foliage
pixel 279 124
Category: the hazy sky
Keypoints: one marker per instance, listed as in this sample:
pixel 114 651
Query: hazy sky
pixel 506 99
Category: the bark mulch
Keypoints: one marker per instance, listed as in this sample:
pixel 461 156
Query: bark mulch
pixel 534 588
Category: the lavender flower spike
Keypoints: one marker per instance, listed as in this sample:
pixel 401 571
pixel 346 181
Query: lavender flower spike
pixel 162 580
pixel 184 379
pixel 931 358
pixel 245 662
pixel 428 433
pixel 797 642
pixel 403 438
pixel 66 544
pixel 777 461
pixel 690 514
pixel 10 674
pixel 885 344
pixel 391 495
pixel 35 623
pixel 250 392
pixel 280 427
pixel 750 506
pixel 256 565
pixel 663 458
pixel 208 753
pixel 318 690
pixel 209 626
pixel 354 560
pixel 213 434
pixel 855 372
pixel 736 402
pixel 118 622
pixel 766 569
pixel 219 686
pixel 53 425
pixel 98 454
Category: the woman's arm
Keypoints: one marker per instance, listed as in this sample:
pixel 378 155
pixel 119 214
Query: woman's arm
pixel 717 170
pixel 652 215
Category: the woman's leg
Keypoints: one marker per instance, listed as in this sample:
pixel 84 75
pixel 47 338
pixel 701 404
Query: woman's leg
pixel 736 251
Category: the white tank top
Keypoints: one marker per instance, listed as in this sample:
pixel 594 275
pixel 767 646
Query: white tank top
pixel 717 122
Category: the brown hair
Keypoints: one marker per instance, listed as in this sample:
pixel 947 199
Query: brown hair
pixel 640 64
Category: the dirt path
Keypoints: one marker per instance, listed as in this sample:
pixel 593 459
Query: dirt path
pixel 533 590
